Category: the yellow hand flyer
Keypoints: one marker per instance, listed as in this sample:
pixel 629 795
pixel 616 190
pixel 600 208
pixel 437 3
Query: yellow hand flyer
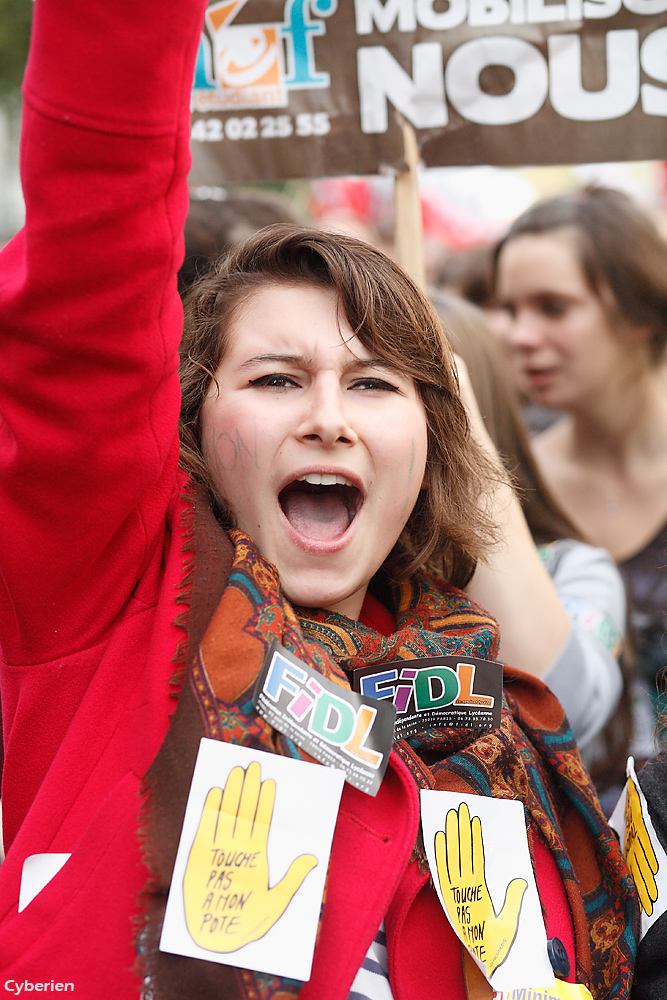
pixel 252 860
pixel 642 850
pixel 478 853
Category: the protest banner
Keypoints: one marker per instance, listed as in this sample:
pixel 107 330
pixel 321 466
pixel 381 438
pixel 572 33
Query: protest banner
pixel 312 88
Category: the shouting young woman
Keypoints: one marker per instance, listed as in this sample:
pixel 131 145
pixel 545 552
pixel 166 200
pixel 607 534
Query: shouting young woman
pixel 325 495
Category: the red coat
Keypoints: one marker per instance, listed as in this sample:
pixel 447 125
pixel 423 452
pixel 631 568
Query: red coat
pixel 90 548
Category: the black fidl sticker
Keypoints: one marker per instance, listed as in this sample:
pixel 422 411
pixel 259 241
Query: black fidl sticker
pixel 336 726
pixel 436 691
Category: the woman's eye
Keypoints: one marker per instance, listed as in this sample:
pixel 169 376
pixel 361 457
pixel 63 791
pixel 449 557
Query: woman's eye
pixel 553 307
pixel 373 383
pixel 274 381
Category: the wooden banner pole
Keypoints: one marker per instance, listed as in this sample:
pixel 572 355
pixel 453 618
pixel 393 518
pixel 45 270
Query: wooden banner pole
pixel 408 231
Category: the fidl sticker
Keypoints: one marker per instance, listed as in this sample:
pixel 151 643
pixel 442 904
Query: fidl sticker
pixel 434 691
pixel 334 725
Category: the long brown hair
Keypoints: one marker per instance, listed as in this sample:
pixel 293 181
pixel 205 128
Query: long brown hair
pixel 446 532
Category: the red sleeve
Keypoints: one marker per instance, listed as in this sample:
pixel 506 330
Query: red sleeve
pixel 89 316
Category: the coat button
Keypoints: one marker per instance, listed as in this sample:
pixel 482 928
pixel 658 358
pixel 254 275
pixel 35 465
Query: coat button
pixel 560 963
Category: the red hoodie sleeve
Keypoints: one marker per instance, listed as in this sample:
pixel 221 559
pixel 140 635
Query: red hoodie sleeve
pixel 89 317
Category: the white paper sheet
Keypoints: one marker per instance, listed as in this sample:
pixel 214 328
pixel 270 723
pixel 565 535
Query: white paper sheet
pixel 512 952
pixel 224 894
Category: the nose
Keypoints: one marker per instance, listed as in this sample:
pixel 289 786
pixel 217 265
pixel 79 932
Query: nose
pixel 325 420
pixel 523 331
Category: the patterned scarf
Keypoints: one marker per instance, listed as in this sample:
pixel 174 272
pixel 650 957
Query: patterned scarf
pixel 532 757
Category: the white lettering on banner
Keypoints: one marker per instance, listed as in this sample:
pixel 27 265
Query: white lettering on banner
pixel 531 80
pixel 488 13
pixel 384 16
pixel 601 8
pixel 381 78
pixel 654 63
pixel 539 12
pixel 621 93
pixel 422 99
pixel 646 6
pixel 13 986
pixel 405 15
pixel 441 20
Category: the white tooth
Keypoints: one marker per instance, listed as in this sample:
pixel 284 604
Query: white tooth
pixel 324 479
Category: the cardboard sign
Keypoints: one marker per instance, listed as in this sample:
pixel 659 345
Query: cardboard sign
pixel 252 860
pixel 641 848
pixel 436 691
pixel 477 850
pixel 332 724
pixel 312 88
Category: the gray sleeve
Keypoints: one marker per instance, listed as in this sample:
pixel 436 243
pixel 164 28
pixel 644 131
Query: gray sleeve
pixel 585 676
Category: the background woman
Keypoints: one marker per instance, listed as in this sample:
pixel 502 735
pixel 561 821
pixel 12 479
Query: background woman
pixel 584 279
pixel 581 663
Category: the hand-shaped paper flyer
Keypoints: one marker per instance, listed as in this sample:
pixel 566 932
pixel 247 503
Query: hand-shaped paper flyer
pixel 228 901
pixel 459 858
pixel 478 853
pixel 252 860
pixel 643 852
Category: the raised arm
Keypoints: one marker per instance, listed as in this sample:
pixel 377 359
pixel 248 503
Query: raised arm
pixel 512 582
pixel 89 315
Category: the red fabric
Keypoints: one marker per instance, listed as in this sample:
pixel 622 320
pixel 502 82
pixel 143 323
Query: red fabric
pixel 89 493
pixel 372 845
pixel 376 616
pixel 555 908
pixel 417 925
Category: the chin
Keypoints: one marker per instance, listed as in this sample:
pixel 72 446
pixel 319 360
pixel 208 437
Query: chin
pixel 310 597
pixel 319 596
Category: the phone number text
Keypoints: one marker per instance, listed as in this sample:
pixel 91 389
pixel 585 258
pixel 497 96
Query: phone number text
pixel 266 127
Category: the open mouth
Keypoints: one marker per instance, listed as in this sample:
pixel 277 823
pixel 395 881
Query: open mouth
pixel 320 505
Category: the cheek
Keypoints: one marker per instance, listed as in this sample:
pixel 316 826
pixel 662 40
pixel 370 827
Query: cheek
pixel 230 444
pixel 405 448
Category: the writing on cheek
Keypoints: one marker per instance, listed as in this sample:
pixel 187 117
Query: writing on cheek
pixel 407 503
pixel 229 450
pixel 225 899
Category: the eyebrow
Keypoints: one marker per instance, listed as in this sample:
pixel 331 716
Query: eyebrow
pixel 303 361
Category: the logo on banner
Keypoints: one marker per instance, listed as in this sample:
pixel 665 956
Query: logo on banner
pixel 256 65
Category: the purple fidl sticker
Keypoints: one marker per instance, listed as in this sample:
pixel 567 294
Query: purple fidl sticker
pixel 436 692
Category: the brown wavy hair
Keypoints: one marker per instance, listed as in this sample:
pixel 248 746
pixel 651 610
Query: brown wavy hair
pixel 446 532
